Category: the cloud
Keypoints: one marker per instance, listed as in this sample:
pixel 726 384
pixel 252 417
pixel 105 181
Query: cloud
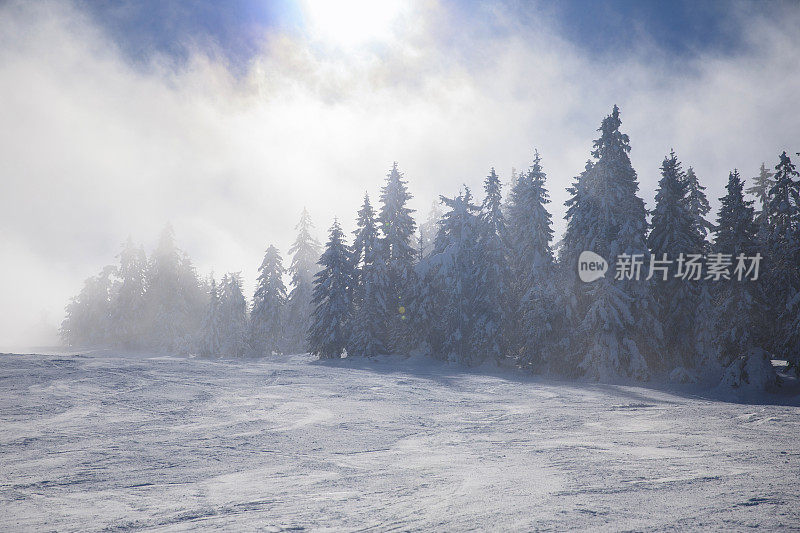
pixel 94 148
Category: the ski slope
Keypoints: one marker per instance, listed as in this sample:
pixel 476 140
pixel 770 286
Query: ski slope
pixel 102 441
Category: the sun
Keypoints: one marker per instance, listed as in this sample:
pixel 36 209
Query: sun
pixel 349 23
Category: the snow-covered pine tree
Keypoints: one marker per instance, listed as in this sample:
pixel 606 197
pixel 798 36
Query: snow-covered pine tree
pixel 306 252
pixel 364 238
pixel 767 328
pixel 574 295
pixel 762 185
pixel 328 334
pixel 369 279
pixel 455 250
pixel 232 317
pixel 697 204
pixel 128 304
pixel 209 343
pixel 492 273
pixel 267 317
pixel 397 228
pixel 175 300
pixel 745 363
pixel 530 317
pixel 735 231
pixel 675 233
pixel 193 297
pixel 88 315
pixel 605 215
pixel 783 259
pixel 163 327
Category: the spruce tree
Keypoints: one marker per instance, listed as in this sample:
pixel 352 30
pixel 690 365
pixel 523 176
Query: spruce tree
pixel 605 215
pixel 368 324
pixel 193 299
pixel 735 231
pixel 305 252
pixel 762 185
pixel 365 238
pixel 783 259
pixel 369 280
pixel 175 300
pixel 492 273
pixel 328 334
pixel 128 305
pixel 397 229
pixel 697 204
pixel 746 364
pixel 209 344
pixel 455 251
pixel 232 316
pixel 88 315
pixel 162 293
pixel 767 325
pixel 529 320
pixel 267 318
pixel 675 233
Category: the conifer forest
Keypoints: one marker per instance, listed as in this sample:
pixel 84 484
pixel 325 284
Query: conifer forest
pixel 392 265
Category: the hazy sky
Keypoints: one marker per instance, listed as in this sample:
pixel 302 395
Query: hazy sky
pixel 225 119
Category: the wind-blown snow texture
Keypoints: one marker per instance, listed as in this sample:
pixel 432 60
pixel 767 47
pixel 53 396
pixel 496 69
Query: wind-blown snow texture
pixel 102 441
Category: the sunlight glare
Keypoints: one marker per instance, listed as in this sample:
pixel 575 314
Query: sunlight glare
pixel 350 23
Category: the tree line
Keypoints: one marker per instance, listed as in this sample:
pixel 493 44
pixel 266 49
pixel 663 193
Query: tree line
pixel 484 281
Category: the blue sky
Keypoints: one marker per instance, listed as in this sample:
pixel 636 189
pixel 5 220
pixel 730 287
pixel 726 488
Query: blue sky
pixel 602 28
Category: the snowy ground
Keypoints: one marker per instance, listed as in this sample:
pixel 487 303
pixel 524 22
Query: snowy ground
pixel 97 441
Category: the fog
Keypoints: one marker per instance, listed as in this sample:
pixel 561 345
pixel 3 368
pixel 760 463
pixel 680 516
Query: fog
pixel 95 148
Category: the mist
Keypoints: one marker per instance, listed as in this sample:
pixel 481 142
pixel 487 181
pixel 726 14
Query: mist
pixel 96 148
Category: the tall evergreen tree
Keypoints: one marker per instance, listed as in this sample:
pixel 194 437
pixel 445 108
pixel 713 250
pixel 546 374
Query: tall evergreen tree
pixel 305 252
pixel 783 257
pixel 696 203
pixel 194 298
pixel 164 308
pixel 128 305
pixel 88 315
pixel 745 362
pixel 605 215
pixel 328 334
pixel 175 300
pixel 365 238
pixel 232 316
pixel 209 343
pixel 398 228
pixel 455 250
pixel 369 280
pixel 530 297
pixel 492 273
pixel 267 318
pixel 762 185
pixel 735 232
pixel 675 234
